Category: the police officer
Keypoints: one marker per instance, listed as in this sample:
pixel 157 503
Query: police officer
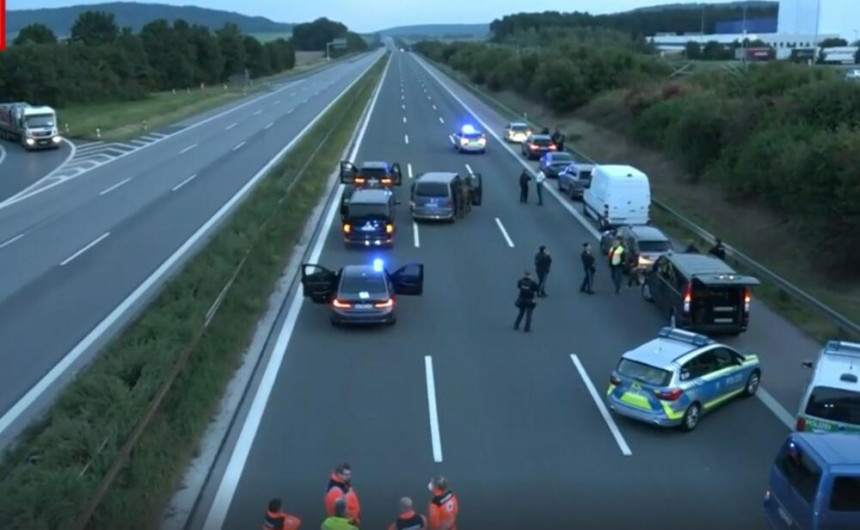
pixel 467 192
pixel 543 262
pixel 558 139
pixel 539 180
pixel 524 186
pixel 277 519
pixel 458 199
pixel 588 268
pixel 545 130
pixel 444 505
pixel 691 247
pixel 616 264
pixel 340 487
pixel 408 519
pixel 718 250
pixel 526 303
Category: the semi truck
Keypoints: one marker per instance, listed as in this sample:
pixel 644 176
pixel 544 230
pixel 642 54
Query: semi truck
pixel 35 127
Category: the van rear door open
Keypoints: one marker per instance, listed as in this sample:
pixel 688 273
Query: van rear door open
pixel 721 299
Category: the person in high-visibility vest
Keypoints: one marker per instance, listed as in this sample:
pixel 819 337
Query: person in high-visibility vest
pixel 277 519
pixel 616 264
pixel 444 505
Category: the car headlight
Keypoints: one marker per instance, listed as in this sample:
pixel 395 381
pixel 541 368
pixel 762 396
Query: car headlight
pixel 56 139
pixel 482 141
pixel 30 141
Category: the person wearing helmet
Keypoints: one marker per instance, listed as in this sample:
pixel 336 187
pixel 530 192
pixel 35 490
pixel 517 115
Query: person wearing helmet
pixel 340 486
pixel 444 506
pixel 277 519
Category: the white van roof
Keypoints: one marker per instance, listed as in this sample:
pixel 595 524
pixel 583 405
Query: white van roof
pixel 622 172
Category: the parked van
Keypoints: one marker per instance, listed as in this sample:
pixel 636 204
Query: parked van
pixel 618 195
pixel 814 483
pixel 831 401
pixel 434 193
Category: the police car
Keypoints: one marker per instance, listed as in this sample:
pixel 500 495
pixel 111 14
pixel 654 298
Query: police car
pixel 469 139
pixel 672 380
pixel 362 294
pixel 831 402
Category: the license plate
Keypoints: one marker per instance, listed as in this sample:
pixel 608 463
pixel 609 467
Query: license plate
pixel 432 205
pixel 363 306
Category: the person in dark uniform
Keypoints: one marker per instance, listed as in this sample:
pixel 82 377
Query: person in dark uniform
pixel 545 130
pixel 459 208
pixel 528 289
pixel 691 247
pixel 524 186
pixel 718 250
pixel 558 139
pixel 543 262
pixel 467 196
pixel 589 268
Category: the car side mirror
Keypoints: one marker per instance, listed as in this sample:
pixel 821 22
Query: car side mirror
pixel 806 364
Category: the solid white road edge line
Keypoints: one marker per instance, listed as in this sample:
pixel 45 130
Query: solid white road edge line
pixel 616 432
pixel 189 148
pixel 435 437
pixel 115 186
pixel 415 235
pixel 409 170
pixel 766 398
pixel 233 472
pixel 184 182
pixel 86 248
pixel 10 241
pixel 504 232
pixel 21 406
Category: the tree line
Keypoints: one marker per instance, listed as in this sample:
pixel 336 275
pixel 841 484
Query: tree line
pixel 313 36
pixel 780 135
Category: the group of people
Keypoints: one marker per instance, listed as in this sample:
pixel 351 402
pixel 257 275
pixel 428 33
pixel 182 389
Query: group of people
pixel 529 290
pixel 343 511
pixel 540 178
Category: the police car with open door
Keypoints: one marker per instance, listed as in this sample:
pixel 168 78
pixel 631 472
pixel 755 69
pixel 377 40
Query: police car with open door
pixel 362 294
pixel 368 174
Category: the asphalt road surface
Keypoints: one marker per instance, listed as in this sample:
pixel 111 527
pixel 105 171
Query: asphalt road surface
pixel 76 255
pixel 20 168
pixel 517 429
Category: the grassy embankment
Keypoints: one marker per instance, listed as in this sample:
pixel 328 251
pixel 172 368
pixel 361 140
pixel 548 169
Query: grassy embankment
pixel 603 130
pixel 47 479
pixel 123 119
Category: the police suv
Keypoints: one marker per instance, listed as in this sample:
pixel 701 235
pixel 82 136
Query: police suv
pixel 674 379
pixel 831 402
pixel 368 218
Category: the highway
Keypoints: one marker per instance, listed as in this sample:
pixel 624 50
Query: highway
pixel 514 420
pixel 81 252
pixel 20 169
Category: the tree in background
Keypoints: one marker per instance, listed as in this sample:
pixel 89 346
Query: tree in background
pixel 233 49
pixel 95 27
pixel 693 50
pixel 35 34
pixel 833 43
pixel 313 36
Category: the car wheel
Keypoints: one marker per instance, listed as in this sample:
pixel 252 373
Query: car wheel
pixel 646 293
pixel 673 322
pixel 691 417
pixel 753 382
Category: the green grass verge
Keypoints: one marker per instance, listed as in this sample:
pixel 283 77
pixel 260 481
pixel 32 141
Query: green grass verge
pixel 799 314
pixel 57 466
pixel 121 120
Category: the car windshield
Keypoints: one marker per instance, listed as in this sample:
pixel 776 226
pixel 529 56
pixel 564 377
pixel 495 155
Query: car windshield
pixel 373 172
pixel 562 158
pixel 834 404
pixel 559 163
pixel 799 470
pixel 655 246
pixel 541 141
pixel 40 120
pixel 471 136
pixel 643 373
pixel 363 282
pixel 368 210
pixel 431 189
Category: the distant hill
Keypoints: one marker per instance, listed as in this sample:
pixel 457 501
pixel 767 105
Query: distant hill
pixel 437 30
pixel 136 15
pixel 753 4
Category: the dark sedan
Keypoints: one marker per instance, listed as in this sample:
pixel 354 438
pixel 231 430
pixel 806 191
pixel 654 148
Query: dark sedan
pixel 538 145
pixel 554 163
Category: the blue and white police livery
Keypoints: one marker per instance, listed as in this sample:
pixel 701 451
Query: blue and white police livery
pixel 674 379
pixel 469 139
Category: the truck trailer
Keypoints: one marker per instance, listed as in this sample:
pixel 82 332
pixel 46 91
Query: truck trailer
pixel 34 127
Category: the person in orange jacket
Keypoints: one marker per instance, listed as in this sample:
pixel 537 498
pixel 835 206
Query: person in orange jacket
pixel 408 518
pixel 278 519
pixel 444 505
pixel 340 485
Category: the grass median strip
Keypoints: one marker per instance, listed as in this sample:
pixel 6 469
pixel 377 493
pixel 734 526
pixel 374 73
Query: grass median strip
pixel 46 480
pixel 800 315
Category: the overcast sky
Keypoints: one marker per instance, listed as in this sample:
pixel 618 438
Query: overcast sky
pixel 372 15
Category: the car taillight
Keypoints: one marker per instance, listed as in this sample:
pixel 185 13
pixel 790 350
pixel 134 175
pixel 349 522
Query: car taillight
pixel 341 304
pixel 385 305
pixel 533 147
pixel 614 380
pixel 801 424
pixel 669 395
pixel 747 299
pixel 386 182
pixel 360 180
pixel 552 147
pixel 347 228
pixel 389 228
pixel 688 297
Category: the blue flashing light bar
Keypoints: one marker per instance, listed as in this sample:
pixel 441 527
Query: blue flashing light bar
pixel 378 265
pixel 468 129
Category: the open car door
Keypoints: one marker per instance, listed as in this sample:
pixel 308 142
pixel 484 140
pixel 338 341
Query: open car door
pixel 397 174
pixel 348 172
pixel 318 283
pixel 478 188
pixel 408 280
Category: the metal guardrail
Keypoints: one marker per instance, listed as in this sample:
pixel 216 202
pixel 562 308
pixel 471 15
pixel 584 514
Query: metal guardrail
pixel 840 320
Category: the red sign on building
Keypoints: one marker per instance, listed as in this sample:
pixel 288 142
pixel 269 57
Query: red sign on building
pixel 2 25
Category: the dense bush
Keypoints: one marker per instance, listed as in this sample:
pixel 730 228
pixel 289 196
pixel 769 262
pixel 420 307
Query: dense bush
pixel 781 135
pixel 102 62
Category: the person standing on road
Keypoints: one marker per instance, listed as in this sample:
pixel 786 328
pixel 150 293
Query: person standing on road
pixel 524 186
pixel 616 264
pixel 338 519
pixel 718 250
pixel 408 518
pixel 526 302
pixel 543 262
pixel 467 196
pixel 539 180
pixel 444 505
pixel 691 247
pixel 459 208
pixel 277 519
pixel 340 487
pixel 588 268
